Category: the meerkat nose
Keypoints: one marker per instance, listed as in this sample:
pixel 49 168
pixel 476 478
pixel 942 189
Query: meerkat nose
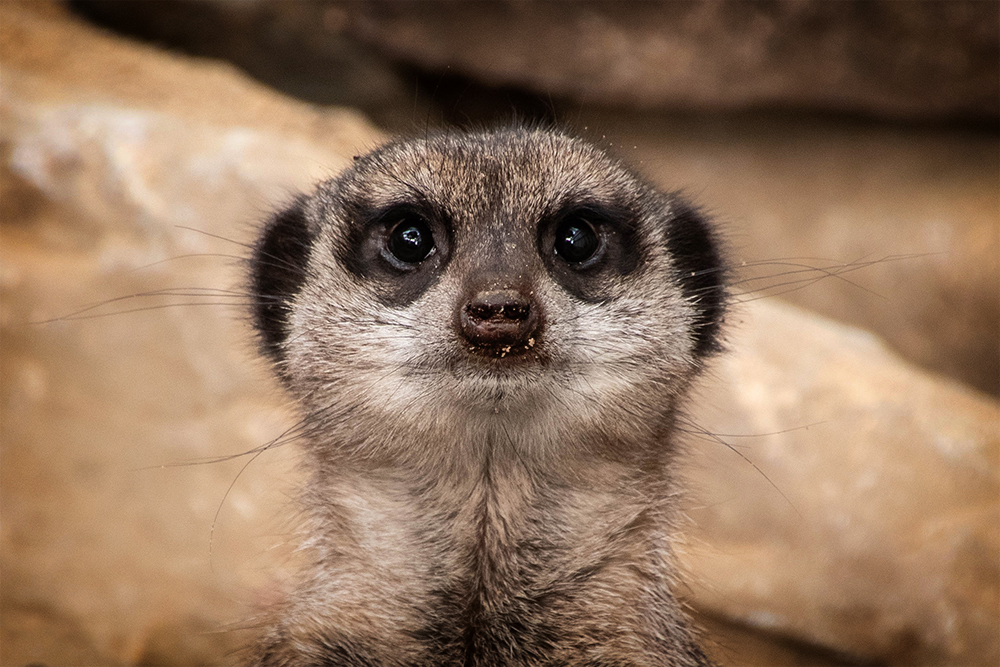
pixel 504 319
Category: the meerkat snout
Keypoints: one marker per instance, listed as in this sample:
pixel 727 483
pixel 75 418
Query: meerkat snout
pixel 503 321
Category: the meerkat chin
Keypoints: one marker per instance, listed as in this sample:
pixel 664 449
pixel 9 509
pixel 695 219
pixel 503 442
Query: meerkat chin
pixel 489 336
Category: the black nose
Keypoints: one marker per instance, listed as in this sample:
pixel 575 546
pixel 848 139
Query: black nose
pixel 500 322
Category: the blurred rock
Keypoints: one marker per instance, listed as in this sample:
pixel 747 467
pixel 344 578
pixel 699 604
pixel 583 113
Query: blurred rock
pixel 911 60
pixel 850 500
pixel 300 48
pixel 879 58
pixel 111 152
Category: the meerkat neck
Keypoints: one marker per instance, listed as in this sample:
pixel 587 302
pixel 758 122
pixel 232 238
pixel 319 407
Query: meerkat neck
pixel 502 533
pixel 497 504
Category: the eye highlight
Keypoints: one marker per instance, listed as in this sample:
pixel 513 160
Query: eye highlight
pixel 576 240
pixel 411 240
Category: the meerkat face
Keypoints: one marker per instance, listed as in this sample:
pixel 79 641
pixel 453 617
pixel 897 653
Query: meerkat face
pixel 516 281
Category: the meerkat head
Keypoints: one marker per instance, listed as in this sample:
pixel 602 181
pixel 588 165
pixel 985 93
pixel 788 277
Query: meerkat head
pixel 517 282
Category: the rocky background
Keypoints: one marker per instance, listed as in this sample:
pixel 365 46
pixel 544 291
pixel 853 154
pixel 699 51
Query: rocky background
pixel 844 456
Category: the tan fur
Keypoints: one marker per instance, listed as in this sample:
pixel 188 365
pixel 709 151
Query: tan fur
pixel 462 512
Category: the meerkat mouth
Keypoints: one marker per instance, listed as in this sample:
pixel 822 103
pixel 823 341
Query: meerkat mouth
pixel 512 353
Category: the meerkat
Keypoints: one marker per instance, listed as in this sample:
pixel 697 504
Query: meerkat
pixel 490 336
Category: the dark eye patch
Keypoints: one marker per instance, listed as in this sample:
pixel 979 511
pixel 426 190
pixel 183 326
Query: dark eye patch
pixel 401 248
pixel 585 243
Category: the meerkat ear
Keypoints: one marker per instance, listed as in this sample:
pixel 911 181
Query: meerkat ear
pixel 701 272
pixel 277 272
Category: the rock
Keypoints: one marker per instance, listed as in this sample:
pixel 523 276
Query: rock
pixel 301 48
pixel 879 58
pixel 850 500
pixel 113 152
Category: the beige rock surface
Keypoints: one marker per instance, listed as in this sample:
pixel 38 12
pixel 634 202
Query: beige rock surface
pixel 38 37
pixel 111 151
pixel 856 505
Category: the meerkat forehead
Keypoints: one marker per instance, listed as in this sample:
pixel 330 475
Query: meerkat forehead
pixel 472 172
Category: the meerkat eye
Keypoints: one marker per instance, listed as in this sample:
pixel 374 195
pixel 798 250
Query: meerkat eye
pixel 411 240
pixel 576 240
